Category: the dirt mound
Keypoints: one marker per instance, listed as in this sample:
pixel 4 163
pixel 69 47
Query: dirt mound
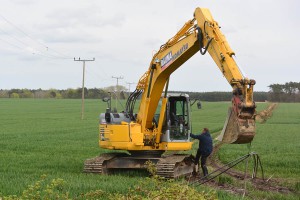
pixel 264 115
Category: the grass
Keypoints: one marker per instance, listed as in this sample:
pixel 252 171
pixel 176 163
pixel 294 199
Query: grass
pixel 47 136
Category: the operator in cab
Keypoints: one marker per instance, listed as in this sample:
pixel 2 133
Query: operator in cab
pixel 204 150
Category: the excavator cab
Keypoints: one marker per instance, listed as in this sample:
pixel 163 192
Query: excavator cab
pixel 176 125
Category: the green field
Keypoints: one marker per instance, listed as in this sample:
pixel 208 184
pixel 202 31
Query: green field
pixel 48 137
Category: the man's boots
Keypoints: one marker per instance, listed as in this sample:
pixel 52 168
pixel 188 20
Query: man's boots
pixel 204 170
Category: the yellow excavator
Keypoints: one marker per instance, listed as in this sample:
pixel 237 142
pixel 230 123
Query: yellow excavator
pixel 163 120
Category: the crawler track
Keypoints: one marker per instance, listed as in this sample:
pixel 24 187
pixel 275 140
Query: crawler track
pixel 174 166
pixel 96 165
pixel 170 166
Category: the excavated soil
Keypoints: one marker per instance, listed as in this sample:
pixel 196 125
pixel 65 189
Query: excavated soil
pixel 264 115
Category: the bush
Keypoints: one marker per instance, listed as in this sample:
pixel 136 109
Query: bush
pixel 41 190
pixel 15 95
pixel 155 188
pixel 158 188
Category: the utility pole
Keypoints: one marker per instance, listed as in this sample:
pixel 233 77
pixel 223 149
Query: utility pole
pixel 82 93
pixel 120 77
pixel 129 84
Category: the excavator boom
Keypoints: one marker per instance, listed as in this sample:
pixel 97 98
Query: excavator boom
pixel 201 34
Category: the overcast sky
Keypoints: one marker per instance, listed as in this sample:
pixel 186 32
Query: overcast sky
pixel 40 38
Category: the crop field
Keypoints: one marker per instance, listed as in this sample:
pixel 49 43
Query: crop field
pixel 48 137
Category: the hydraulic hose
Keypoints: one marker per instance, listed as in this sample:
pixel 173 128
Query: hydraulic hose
pixel 200 39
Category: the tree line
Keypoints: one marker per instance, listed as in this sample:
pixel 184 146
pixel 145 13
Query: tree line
pixel 121 92
pixel 288 92
pixel 70 93
pixel 223 96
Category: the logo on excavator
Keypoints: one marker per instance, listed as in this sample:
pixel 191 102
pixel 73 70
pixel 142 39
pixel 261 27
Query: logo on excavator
pixel 165 60
pixel 169 58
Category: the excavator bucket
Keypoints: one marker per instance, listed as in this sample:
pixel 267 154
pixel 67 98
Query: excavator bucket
pixel 237 130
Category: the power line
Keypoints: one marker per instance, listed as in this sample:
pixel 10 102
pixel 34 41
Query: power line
pixel 27 35
pixel 92 76
pixel 49 55
pixel 96 74
pixel 12 44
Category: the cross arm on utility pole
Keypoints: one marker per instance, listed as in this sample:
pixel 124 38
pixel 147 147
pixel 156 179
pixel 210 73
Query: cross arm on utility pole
pixel 118 77
pixel 129 84
pixel 84 59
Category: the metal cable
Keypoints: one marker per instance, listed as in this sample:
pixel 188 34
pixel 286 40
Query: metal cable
pixel 228 166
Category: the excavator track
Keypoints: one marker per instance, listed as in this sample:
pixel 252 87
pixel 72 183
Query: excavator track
pixel 170 166
pixel 97 164
pixel 175 166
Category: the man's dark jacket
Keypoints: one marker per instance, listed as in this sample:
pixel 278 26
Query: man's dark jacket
pixel 205 143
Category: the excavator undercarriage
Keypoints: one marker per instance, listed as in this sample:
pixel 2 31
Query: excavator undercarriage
pixel 169 166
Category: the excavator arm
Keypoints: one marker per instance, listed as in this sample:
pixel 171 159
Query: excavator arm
pixel 201 34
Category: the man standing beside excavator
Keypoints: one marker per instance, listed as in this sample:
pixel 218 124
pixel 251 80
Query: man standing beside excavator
pixel 204 150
